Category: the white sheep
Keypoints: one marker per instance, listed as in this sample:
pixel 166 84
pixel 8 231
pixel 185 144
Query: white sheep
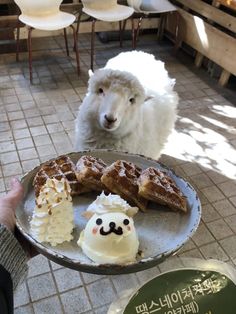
pixel 130 106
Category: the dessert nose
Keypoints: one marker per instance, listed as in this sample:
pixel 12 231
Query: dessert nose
pixel 110 118
pixel 112 224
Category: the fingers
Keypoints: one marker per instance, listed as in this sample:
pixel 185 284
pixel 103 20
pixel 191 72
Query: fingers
pixel 16 193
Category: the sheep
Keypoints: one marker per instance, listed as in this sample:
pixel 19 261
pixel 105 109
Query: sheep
pixel 130 106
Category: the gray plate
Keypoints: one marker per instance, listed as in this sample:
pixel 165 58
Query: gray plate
pixel 161 232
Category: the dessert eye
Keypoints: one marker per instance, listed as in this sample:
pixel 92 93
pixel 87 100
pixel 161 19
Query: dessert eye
pixel 99 221
pixel 132 100
pixel 126 222
pixel 100 91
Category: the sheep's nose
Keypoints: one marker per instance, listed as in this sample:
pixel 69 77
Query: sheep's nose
pixel 110 118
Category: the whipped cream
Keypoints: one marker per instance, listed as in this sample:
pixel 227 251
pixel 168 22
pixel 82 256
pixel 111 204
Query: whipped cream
pixel 53 216
pixel 110 238
pixel 111 203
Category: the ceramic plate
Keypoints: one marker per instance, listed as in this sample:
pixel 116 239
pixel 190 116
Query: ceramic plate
pixel 161 232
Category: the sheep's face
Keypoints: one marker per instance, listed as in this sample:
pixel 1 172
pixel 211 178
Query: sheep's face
pixel 118 97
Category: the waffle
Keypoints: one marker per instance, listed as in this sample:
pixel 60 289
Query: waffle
pixel 61 167
pixel 158 187
pixel 89 171
pixel 121 178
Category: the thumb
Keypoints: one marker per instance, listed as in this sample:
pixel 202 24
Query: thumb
pixel 16 193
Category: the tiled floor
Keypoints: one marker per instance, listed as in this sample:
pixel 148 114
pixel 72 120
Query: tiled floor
pixel 37 123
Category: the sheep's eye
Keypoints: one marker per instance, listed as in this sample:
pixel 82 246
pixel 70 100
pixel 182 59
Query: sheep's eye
pixel 99 221
pixel 100 91
pixel 132 100
pixel 126 222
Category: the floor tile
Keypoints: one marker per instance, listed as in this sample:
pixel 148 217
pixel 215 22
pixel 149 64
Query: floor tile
pixel 228 188
pixel 231 221
pixel 229 246
pixel 29 153
pixel 209 213
pixel 122 282
pixel 41 286
pixel 12 169
pixel 34 268
pixel 8 158
pixel 42 140
pixel 99 292
pixel 21 295
pixel 213 193
pixel 67 279
pixel 24 310
pixel 202 235
pixel 224 208
pixel 49 305
pixel 75 301
pixel 24 143
pixel 219 229
pixel 89 278
pixel 214 251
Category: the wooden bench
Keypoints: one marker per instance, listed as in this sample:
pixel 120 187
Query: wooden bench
pixel 211 31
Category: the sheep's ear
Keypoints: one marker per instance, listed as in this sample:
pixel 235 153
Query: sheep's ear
pixel 90 73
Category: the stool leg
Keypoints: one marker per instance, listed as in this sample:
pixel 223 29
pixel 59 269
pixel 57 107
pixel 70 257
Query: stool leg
pixel 77 27
pixel 30 29
pixel 121 36
pixel 161 27
pixel 78 23
pixel 133 33
pixel 92 43
pixel 121 33
pixel 66 42
pixel 17 43
pixel 76 49
pixel 138 29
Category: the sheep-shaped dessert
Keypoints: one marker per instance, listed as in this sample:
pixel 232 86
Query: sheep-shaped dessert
pixel 130 106
pixel 110 236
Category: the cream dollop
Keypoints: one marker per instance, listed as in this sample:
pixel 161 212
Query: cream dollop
pixel 111 203
pixel 53 216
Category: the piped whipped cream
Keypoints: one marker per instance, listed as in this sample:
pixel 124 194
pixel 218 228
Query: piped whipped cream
pixel 53 216
pixel 111 203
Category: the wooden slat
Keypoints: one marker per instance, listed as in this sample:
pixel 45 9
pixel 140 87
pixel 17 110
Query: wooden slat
pixel 10 21
pixel 228 3
pixel 224 78
pixel 198 60
pixel 6 1
pixel 226 20
pixel 208 40
pixel 70 7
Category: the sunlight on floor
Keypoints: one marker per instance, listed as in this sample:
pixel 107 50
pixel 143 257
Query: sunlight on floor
pixel 206 145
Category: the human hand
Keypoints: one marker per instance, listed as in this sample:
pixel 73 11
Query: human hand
pixel 8 204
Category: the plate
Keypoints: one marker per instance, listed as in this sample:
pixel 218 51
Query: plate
pixel 161 232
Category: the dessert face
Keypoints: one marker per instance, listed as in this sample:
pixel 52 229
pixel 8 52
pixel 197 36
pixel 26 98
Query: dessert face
pixel 110 238
pixel 53 216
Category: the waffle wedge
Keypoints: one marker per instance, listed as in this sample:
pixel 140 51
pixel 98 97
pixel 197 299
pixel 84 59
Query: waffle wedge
pixel 58 168
pixel 89 171
pixel 121 178
pixel 158 187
